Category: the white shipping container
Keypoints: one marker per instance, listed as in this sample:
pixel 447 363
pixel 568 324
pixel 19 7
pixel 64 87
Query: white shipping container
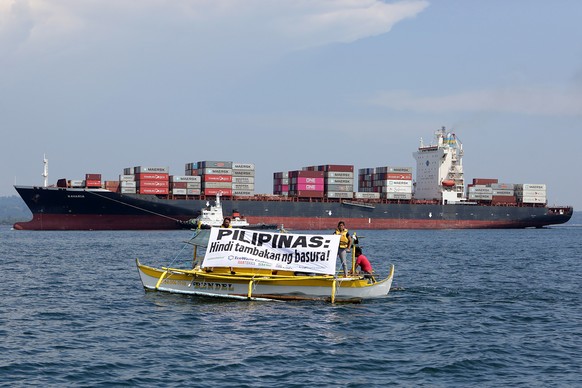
pixel 127 190
pixel 484 197
pixel 392 169
pixel 339 181
pixel 250 173
pixel 397 196
pixel 339 174
pixel 193 185
pixel 179 191
pixel 365 195
pixel 533 199
pixel 531 186
pixel 143 169
pixel 77 183
pixel 480 189
pixel 243 186
pixel 395 189
pixel 396 183
pixel 244 179
pixel 340 194
pixel 215 171
pixel 243 166
pixel 509 193
pixel 192 191
pixel 127 178
pixel 217 185
pixel 128 184
pixel 339 187
pixel 185 178
pixel 530 193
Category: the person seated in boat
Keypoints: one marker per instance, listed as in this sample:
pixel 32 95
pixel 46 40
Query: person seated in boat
pixel 364 264
pixel 226 223
pixel 344 245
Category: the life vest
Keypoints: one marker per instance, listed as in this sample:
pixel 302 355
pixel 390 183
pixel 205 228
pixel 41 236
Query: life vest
pixel 344 241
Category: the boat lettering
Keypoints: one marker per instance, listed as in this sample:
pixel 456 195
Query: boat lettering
pixel 274 240
pixel 75 196
pixel 213 286
pixel 175 282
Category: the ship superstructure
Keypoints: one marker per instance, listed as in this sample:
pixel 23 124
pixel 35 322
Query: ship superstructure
pixel 439 169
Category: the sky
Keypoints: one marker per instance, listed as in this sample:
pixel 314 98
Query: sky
pixel 100 85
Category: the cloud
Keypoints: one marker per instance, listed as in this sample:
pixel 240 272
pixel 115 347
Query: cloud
pixel 293 24
pixel 534 100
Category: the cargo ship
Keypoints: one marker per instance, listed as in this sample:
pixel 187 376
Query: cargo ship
pixel 310 198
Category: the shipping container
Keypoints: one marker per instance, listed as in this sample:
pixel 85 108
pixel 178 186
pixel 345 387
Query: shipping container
pixel 185 178
pixel 152 176
pixel 214 164
pixel 307 187
pixel 340 194
pixel 216 185
pixel 214 191
pixel 216 178
pixel 144 169
pixel 152 183
pixel 215 171
pixel 366 195
pixel 153 190
pixel 243 166
pixel 339 174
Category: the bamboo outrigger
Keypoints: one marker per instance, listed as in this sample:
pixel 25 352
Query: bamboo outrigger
pixel 255 266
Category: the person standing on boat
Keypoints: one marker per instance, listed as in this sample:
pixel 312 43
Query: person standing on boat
pixel 226 223
pixel 344 245
pixel 363 262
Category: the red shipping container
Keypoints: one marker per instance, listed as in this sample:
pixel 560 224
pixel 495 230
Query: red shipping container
pixel 307 186
pixel 93 183
pixel 338 167
pixel 153 176
pixel 307 194
pixel 153 190
pixel 306 174
pixel 92 177
pixel 397 176
pixel 484 181
pixel 180 185
pixel 216 178
pixel 311 181
pixel 227 192
pixel 153 183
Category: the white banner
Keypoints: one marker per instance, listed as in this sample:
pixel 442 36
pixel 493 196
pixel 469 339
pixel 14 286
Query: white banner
pixel 278 251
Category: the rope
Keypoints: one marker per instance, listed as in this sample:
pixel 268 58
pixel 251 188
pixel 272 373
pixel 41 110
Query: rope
pixel 133 206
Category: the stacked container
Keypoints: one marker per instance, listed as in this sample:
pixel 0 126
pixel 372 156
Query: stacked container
pixel 127 183
pixel 93 181
pixel 152 180
pixel 281 183
pixel 389 182
pixel 185 185
pixel 215 177
pixel 531 193
pixel 306 183
pixel 338 180
pixel 243 179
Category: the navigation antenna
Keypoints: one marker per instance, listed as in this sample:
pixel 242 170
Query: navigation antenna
pixel 45 172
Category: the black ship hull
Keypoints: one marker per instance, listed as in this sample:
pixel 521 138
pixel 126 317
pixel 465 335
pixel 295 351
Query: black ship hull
pixel 84 209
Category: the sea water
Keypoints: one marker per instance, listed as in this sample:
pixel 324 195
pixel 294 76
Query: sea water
pixel 468 308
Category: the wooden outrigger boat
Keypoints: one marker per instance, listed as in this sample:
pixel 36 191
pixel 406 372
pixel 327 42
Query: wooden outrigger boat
pixel 253 265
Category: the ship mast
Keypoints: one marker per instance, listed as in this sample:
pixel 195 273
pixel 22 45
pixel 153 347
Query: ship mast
pixel 45 170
